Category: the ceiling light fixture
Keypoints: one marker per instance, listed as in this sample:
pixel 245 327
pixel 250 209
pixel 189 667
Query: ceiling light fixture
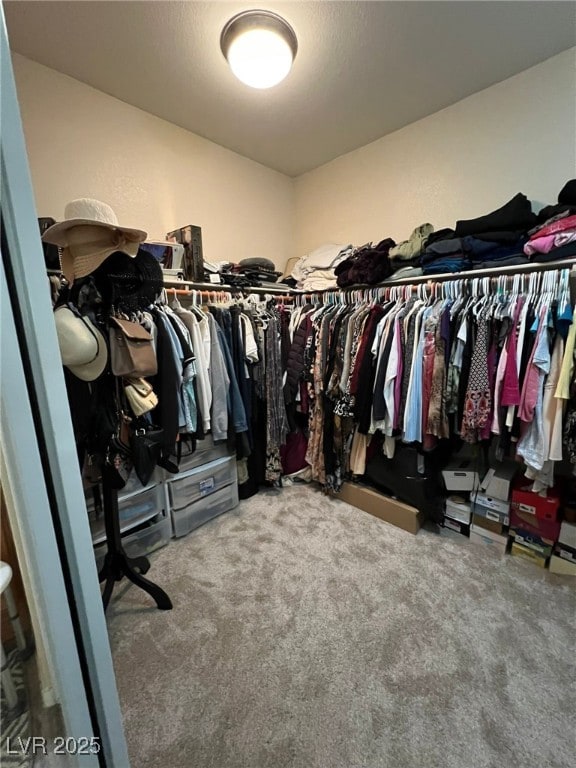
pixel 260 47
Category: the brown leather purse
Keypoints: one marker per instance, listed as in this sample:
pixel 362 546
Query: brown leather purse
pixel 131 352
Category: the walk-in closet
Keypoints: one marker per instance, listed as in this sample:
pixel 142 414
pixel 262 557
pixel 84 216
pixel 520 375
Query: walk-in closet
pixel 288 386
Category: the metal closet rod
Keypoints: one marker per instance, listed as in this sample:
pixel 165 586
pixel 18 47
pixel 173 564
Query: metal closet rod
pixel 228 288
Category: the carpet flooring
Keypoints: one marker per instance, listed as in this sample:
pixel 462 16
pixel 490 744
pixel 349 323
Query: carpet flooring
pixel 308 634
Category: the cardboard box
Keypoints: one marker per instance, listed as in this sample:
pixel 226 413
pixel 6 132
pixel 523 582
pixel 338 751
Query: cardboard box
pixel 391 511
pixel 565 553
pixel 568 535
pixel 528 540
pixel 494 541
pixel 497 482
pixel 458 508
pixel 543 532
pixel 562 567
pixel 461 475
pixel 489 525
pixel 542 507
pixel 526 553
pixel 493 509
pixel 456 525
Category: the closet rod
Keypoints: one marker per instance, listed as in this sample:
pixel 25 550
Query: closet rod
pixel 229 288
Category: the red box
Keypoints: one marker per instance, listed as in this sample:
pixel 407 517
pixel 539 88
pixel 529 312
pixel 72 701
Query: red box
pixel 545 532
pixel 542 507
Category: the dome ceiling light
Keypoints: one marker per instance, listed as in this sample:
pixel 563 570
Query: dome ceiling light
pixel 260 47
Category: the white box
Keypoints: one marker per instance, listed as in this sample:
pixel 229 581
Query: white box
pixel 492 509
pixel 563 567
pixel 461 476
pixel 458 509
pixel 568 534
pixel 495 541
pixel 497 482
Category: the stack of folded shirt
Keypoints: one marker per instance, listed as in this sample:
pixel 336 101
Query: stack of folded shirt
pixel 496 239
pixel 315 271
pixel 444 256
pixel 405 257
pixel 495 249
pixel 516 215
pixel 409 251
pixel 555 240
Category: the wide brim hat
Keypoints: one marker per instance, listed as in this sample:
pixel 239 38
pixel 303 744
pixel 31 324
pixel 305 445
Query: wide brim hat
pixel 83 348
pixel 89 233
pixel 86 212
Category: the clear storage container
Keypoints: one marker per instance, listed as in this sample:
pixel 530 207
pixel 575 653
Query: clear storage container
pixel 132 511
pixel 206 451
pixel 200 482
pixel 196 513
pixel 157 533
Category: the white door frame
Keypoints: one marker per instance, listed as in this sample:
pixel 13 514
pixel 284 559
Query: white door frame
pixel 41 460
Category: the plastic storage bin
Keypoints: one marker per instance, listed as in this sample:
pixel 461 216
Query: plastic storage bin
pixel 133 510
pixel 155 534
pixel 196 513
pixel 135 486
pixel 200 482
pixel 206 451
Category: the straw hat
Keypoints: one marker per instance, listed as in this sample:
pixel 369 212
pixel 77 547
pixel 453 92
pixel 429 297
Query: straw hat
pixel 82 347
pixel 88 235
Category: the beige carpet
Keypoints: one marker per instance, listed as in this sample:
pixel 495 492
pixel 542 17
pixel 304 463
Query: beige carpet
pixel 308 634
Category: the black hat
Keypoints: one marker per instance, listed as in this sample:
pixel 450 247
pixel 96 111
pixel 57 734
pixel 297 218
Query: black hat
pixel 567 195
pixel 132 282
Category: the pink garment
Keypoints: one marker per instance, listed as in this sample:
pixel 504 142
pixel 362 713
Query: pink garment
pixel 540 245
pixel 510 394
pixel 568 222
pixel 549 242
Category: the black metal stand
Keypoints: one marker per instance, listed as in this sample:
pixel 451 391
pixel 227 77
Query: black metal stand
pixel 117 563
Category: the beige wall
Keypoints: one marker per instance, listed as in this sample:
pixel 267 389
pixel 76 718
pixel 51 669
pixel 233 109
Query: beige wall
pixel 468 159
pixel 83 143
pixel 519 135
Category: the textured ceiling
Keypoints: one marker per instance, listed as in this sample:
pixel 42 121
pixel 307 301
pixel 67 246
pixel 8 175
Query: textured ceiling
pixel 363 69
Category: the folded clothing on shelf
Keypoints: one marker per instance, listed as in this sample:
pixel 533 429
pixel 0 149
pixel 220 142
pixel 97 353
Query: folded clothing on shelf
pixel 515 214
pixel 257 262
pixel 413 247
pixel 454 263
pixel 367 265
pixel 406 272
pixel 505 261
pixel 319 280
pixel 557 254
pixel 327 256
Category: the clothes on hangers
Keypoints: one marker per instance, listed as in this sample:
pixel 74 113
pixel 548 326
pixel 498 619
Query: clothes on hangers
pixel 436 365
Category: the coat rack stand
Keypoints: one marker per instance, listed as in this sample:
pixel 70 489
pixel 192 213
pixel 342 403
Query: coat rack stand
pixel 117 564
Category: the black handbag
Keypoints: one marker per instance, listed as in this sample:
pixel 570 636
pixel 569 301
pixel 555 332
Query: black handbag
pixel 118 461
pixel 146 445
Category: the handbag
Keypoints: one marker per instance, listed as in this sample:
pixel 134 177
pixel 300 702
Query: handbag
pixel 140 395
pixel 146 445
pixel 117 465
pixel 118 462
pixel 131 351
